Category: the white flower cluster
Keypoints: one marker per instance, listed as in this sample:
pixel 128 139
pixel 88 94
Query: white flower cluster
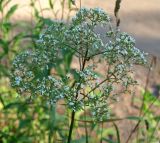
pixel 91 17
pixel 47 70
pixel 31 74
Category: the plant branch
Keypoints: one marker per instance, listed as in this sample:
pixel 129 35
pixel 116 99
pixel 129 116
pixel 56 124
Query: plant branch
pixel 73 112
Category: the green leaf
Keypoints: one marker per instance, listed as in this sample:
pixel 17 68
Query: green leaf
pixel 134 118
pixel 6 27
pixel 47 21
pixel 59 70
pixel 24 139
pixel 4 134
pixel 157 118
pixel 11 11
pixel 147 124
pixel 24 123
pixel 15 40
pixel 81 140
pixel 17 37
pixel 3 4
pixel 18 105
pixel 68 55
pixel 3 70
pixel 69 4
pixel 108 140
pixel 37 14
pixel 75 74
pixel 93 126
pixel 2 101
pixel 1 7
pixel 52 118
pixel 4 44
pixel 6 2
pixel 51 4
pixel 117 133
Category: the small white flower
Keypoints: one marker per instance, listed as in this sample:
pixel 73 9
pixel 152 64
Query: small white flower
pixel 18 80
pixel 71 103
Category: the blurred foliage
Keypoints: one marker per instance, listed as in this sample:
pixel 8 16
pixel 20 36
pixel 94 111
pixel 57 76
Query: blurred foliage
pixel 24 122
pixel 149 131
pixel 6 41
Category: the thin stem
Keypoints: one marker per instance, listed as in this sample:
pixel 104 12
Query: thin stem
pixel 102 52
pixel 62 4
pixel 80 3
pixel 73 112
pixel 52 124
pixel 96 86
pixel 147 82
pixel 41 10
pixel 85 124
pixel 104 121
pixel 116 10
pixel 2 14
pixel 101 132
pixel 81 68
pixel 144 95
pixel 71 127
pixel 152 135
pixel 138 123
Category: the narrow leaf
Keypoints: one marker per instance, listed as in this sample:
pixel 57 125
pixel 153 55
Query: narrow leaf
pixel 11 11
pixel 117 133
pixel 51 4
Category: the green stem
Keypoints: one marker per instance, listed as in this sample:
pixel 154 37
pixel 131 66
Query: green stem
pixel 101 133
pixel 85 124
pixel 73 112
pixel 71 127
